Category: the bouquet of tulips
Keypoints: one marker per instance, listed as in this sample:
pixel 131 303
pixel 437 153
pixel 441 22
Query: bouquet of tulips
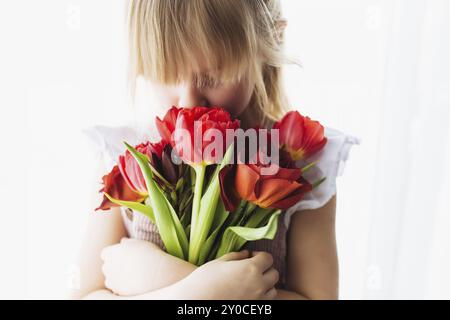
pixel 210 186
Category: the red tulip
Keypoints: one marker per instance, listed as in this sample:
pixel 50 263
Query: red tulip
pixel 167 125
pixel 193 125
pixel 300 137
pixel 130 169
pixel 245 181
pixel 114 185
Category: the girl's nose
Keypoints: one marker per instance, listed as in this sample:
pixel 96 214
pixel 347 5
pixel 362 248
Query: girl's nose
pixel 190 96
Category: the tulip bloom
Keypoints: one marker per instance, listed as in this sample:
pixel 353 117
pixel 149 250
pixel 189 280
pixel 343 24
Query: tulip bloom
pixel 130 170
pixel 300 137
pixel 167 126
pixel 279 191
pixel 194 130
pixel 193 125
pixel 115 185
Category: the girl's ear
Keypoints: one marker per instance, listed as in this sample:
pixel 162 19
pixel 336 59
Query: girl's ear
pixel 280 26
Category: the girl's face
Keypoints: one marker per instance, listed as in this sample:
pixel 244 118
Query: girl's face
pixel 205 90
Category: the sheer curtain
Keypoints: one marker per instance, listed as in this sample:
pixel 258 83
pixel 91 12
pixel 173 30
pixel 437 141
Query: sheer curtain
pixel 408 247
pixel 377 69
pixel 380 70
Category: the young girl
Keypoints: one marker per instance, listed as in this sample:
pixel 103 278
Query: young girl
pixel 214 53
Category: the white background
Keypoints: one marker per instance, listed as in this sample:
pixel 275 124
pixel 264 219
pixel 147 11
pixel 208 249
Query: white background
pixel 377 69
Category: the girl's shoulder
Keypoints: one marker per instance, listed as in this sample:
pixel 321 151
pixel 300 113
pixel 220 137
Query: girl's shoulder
pixel 331 161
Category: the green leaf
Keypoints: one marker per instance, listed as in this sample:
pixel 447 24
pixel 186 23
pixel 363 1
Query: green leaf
pixel 180 230
pixel 206 211
pixel 258 216
pixel 252 234
pixel 161 208
pixel 136 206
pixel 235 237
pixel 200 170
pixel 187 230
pixel 220 217
pixel 227 242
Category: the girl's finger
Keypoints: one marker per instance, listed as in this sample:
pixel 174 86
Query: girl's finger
pixel 263 260
pixel 271 294
pixel 235 255
pixel 271 277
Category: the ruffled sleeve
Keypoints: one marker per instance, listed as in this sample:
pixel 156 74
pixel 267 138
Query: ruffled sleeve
pixel 330 164
pixel 107 141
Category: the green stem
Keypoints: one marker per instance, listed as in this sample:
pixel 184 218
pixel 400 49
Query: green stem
pixel 249 209
pixel 198 189
pixel 318 182
pixel 258 216
pixel 309 166
pixel 229 239
pixel 226 243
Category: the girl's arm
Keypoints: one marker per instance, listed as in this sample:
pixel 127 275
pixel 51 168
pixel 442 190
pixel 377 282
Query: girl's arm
pixel 167 293
pixel 135 267
pixel 104 229
pixel 235 276
pixel 312 264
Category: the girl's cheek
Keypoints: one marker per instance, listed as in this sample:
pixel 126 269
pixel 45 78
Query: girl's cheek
pixel 166 96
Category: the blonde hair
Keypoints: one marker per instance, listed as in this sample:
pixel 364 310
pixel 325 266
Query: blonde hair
pixel 235 37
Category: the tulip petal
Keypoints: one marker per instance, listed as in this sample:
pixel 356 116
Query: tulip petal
pixel 291 174
pixel 114 184
pixel 274 190
pixel 132 173
pixel 246 182
pixel 300 136
pixel 228 193
pixel 294 197
pixel 169 169
pixel 167 125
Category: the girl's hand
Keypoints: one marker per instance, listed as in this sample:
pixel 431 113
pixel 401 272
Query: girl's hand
pixel 235 276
